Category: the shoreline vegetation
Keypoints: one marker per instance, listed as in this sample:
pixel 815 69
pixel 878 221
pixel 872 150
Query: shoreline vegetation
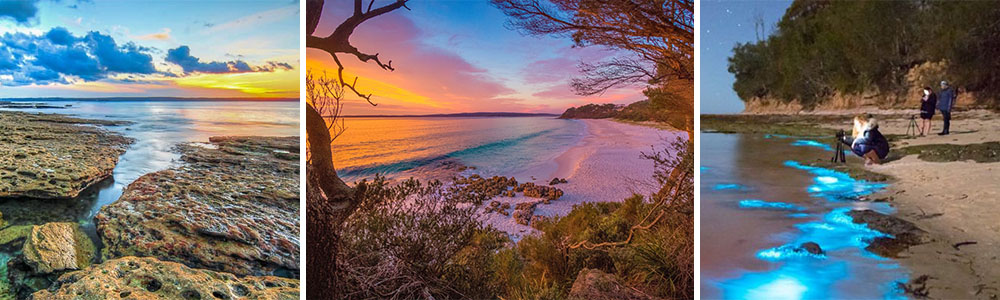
pixel 876 54
pixel 943 188
pixel 192 231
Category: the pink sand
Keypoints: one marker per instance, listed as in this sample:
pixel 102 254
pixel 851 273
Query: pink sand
pixel 605 166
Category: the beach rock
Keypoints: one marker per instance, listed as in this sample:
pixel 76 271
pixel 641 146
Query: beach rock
pixel 904 234
pixel 49 251
pixel 524 211
pixel 54 157
pixel 478 189
pixel 593 284
pixel 812 248
pixel 150 278
pixel 556 181
pixel 55 247
pixel 540 191
pixel 232 207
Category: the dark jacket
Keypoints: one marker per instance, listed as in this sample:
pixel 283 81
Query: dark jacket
pixel 930 104
pixel 872 139
pixel 946 99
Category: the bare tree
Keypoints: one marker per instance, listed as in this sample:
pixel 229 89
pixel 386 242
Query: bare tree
pixel 659 32
pixel 329 201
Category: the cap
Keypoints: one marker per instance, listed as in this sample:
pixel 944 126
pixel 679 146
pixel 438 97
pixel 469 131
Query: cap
pixel 944 82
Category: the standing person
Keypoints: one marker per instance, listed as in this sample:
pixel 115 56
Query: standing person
pixel 927 105
pixel 946 101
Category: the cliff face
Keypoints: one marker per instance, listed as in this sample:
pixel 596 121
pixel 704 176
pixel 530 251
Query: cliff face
pixel 850 102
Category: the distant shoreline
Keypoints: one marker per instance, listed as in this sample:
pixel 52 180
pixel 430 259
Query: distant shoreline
pixel 458 115
pixel 141 99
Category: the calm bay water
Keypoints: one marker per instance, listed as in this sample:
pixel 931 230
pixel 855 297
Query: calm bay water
pixel 757 202
pixel 158 127
pixel 506 146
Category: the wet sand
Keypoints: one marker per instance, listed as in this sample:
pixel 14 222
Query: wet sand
pixel 955 202
pixel 605 166
pixel 735 237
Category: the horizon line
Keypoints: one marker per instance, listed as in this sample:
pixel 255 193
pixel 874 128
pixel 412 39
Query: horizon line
pixel 150 98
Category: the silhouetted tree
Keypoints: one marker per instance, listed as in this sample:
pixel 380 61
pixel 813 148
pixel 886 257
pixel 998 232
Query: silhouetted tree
pixel 659 34
pixel 329 201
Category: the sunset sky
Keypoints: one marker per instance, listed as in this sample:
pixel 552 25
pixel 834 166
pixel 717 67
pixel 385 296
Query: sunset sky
pixel 84 48
pixel 457 56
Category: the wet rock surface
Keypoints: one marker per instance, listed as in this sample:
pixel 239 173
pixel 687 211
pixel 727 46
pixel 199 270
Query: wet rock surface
pixel 811 248
pixel 231 207
pixel 150 278
pixel 49 250
pixel 51 156
pixel 904 234
pixel 57 247
pixel 593 284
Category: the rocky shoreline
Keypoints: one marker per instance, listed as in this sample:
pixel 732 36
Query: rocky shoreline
pixel 222 224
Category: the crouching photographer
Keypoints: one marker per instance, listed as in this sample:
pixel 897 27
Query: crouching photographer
pixel 866 141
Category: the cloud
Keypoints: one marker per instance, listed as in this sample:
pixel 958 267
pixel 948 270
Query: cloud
pixel 21 11
pixel 161 36
pixel 181 56
pixel 57 56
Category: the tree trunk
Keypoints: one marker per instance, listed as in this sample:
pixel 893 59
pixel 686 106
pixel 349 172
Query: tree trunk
pixel 329 201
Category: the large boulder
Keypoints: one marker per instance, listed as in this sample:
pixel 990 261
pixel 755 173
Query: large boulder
pixel 593 284
pixel 904 234
pixel 49 250
pixel 232 207
pixel 55 247
pixel 52 156
pixel 150 278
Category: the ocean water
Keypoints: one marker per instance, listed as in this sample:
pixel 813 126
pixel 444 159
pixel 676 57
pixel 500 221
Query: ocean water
pixel 158 127
pixel 760 201
pixel 418 146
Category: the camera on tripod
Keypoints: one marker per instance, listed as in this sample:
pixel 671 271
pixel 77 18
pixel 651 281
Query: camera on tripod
pixel 838 154
pixel 911 130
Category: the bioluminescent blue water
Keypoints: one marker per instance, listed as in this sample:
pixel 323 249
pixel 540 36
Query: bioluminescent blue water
pixel 812 143
pixel 728 186
pixel 756 203
pixel 776 266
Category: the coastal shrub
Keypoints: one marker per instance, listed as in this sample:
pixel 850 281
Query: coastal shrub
pixel 414 240
pixel 824 48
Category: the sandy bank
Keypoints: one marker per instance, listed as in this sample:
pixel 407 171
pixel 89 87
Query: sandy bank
pixel 956 202
pixel 605 166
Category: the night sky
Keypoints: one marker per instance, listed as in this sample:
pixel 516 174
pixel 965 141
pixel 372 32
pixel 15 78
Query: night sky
pixel 723 25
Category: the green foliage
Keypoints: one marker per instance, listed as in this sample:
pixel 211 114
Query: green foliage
pixel 413 240
pixel 822 48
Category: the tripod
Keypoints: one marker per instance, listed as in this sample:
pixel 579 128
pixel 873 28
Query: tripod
pixel 913 126
pixel 838 154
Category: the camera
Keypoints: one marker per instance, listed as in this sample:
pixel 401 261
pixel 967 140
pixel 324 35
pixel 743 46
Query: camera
pixel 840 134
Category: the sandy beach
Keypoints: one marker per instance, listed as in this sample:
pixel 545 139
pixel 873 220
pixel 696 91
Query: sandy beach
pixel 605 166
pixel 956 202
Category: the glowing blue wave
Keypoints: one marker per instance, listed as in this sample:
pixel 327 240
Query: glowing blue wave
pixel 799 274
pixel 755 203
pixel 728 186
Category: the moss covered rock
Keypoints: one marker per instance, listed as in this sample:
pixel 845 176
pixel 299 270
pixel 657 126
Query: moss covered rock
pixel 150 278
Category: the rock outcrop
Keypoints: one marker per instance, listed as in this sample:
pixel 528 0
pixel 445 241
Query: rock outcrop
pixel 904 234
pixel 149 278
pixel 52 156
pixel 232 207
pixel 592 284
pixel 49 250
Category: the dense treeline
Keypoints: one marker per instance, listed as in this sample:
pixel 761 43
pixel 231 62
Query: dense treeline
pixel 886 48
